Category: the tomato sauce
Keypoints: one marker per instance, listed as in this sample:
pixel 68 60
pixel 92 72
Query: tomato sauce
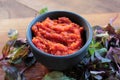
pixel 58 36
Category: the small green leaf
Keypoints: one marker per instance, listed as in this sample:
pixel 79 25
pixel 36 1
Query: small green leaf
pixel 13 34
pixel 17 54
pixel 56 75
pixel 91 51
pixel 16 61
pixel 98 45
pixel 20 52
pixel 43 10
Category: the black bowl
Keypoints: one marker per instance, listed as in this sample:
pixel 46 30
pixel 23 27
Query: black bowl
pixel 60 62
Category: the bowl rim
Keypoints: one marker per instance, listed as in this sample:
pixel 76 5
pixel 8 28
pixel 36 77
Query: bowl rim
pixel 66 56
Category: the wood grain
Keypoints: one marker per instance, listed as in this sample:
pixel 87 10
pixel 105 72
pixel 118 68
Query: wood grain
pixel 28 8
pixel 13 9
pixel 78 6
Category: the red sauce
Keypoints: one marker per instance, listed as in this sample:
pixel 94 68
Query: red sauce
pixel 58 37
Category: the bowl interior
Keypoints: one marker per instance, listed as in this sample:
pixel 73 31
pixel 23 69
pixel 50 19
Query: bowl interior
pixel 72 16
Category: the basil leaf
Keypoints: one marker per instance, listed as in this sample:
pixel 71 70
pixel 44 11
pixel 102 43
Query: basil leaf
pixel 43 10
pixel 56 75
pixel 12 73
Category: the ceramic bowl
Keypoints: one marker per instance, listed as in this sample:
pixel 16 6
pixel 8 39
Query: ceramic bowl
pixel 60 62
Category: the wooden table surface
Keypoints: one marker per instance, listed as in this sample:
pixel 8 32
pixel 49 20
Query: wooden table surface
pixel 21 26
pixel 28 8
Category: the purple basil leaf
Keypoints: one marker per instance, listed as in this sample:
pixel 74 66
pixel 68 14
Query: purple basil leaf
pixel 87 74
pixel 110 29
pixel 98 77
pixel 97 27
pixel 92 58
pixel 86 60
pixel 102 59
pixel 19 42
pixel 118 35
pixel 29 60
pixel 105 34
pixel 113 51
pixel 102 51
pixel 7 47
pixel 12 73
pixel 114 42
pixel 97 72
pixel 118 75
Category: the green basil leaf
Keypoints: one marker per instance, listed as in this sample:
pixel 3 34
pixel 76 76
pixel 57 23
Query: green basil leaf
pixel 56 75
pixel 43 10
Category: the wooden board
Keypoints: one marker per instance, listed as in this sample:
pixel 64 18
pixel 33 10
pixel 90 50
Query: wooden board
pixel 78 6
